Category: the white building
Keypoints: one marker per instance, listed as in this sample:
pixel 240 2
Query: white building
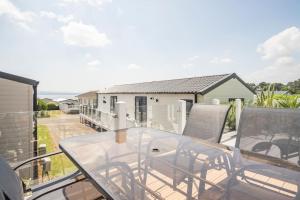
pixel 155 104
pixel 69 106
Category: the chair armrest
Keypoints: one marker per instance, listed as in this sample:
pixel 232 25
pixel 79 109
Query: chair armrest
pixel 56 184
pixel 20 164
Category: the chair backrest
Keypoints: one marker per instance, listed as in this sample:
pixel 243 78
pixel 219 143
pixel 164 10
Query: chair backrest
pixel 10 184
pixel 270 131
pixel 207 122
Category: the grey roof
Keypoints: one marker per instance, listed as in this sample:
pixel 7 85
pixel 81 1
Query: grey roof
pixel 19 79
pixel 192 85
pixel 90 93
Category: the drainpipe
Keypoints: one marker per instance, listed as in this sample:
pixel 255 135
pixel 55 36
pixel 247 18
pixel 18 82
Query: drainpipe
pixel 35 109
pixel 196 98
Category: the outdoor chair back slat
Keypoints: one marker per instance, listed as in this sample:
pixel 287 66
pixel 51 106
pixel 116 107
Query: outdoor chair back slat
pixel 207 122
pixel 270 131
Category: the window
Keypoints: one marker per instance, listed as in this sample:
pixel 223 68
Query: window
pixel 95 103
pixel 113 100
pixel 189 105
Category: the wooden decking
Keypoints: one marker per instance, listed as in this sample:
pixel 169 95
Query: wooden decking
pixel 160 186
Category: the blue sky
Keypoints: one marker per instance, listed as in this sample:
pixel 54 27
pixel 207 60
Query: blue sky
pixel 80 45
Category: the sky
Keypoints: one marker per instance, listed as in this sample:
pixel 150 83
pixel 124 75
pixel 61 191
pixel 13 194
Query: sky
pixel 81 45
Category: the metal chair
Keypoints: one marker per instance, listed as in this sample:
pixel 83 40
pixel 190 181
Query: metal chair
pixel 207 122
pixel 67 187
pixel 269 131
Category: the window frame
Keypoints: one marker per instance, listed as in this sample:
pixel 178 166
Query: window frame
pixel 113 101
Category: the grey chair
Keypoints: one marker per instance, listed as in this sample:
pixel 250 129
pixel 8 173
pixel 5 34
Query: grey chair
pixel 67 187
pixel 207 122
pixel 269 131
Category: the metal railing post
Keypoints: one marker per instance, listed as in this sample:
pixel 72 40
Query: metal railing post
pixel 238 110
pixel 181 113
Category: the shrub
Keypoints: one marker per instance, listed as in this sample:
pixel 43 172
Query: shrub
pixel 42 105
pixel 52 106
pixel 266 98
pixel 231 119
pixel 289 102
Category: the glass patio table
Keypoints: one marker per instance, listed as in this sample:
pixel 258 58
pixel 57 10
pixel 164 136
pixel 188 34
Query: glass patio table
pixel 145 163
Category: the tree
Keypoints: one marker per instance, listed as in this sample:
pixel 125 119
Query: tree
pixel 52 106
pixel 294 87
pixel 252 85
pixel 278 86
pixel 42 105
pixel 264 86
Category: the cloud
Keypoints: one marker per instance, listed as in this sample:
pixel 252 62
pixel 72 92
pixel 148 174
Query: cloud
pixel 218 60
pixel 94 63
pixel 120 11
pixel 88 2
pixel 188 65
pixel 88 56
pixel 190 62
pixel 79 34
pixel 59 18
pixel 281 45
pixel 279 51
pixel 134 66
pixel 93 68
pixel 18 17
pixel 193 58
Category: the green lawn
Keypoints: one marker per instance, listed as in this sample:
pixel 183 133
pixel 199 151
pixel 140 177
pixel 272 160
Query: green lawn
pixel 60 164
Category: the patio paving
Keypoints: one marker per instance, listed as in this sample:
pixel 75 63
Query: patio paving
pixel 65 125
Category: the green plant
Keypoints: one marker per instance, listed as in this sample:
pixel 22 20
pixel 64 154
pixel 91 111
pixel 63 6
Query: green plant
pixel 52 106
pixel 289 102
pixel 231 119
pixel 42 105
pixel 266 98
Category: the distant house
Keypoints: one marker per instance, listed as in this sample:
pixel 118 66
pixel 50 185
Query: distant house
pixel 18 127
pixel 88 99
pixel 69 106
pixel 143 99
pixel 87 102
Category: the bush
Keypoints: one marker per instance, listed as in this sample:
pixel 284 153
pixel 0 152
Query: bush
pixel 52 106
pixel 42 105
pixel 231 119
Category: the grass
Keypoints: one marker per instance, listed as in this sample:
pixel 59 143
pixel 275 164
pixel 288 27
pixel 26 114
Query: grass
pixel 60 164
pixel 49 113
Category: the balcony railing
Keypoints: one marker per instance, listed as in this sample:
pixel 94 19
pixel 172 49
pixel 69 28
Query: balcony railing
pixel 23 136
pixel 167 117
pixel 100 118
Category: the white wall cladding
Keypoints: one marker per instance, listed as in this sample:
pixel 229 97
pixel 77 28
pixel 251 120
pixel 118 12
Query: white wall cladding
pixel 163 99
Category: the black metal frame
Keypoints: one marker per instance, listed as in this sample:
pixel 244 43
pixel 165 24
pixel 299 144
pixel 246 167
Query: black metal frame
pixel 45 191
pixel 225 120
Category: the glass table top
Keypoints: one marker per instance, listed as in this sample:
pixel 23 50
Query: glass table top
pixel 144 163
